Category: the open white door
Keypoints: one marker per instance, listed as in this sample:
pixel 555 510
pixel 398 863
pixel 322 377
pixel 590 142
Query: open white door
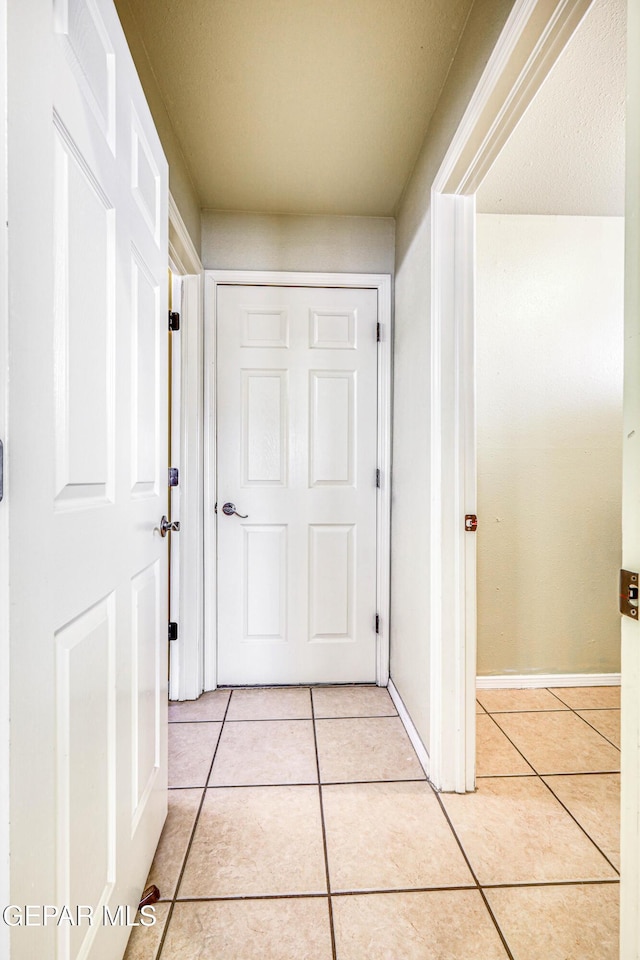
pixel 630 742
pixel 87 462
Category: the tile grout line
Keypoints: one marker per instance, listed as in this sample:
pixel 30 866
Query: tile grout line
pixel 575 711
pixel 577 821
pixel 599 732
pixel 610 881
pixel 540 777
pixel 505 734
pixel 473 874
pixel 191 838
pixel 324 833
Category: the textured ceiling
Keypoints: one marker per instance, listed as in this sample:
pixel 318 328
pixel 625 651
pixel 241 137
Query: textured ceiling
pixel 300 106
pixel 567 154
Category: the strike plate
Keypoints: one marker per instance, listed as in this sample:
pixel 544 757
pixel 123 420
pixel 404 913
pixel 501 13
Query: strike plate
pixel 629 594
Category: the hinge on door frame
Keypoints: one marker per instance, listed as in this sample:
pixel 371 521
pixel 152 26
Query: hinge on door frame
pixel 377 623
pixel 174 320
pixel 173 630
pixel 378 332
pixel 378 478
pixel 174 476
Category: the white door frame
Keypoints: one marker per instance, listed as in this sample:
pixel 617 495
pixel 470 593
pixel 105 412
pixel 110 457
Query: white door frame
pixel 630 800
pixel 4 505
pixel 531 42
pixel 186 672
pixel 382 284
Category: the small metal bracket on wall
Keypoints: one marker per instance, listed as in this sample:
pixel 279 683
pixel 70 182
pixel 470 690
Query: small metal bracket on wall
pixel 629 594
pixel 471 523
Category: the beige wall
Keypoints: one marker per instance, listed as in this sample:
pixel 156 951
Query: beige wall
pixel 253 241
pixel 549 415
pixel 180 183
pixel 410 526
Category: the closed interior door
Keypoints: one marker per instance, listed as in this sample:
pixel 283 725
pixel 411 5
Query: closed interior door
pixel 296 455
pixel 89 472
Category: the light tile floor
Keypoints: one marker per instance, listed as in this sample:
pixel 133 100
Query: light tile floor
pixel 301 827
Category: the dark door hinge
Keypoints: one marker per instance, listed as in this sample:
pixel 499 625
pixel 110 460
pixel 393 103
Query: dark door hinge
pixel 174 320
pixel 378 478
pixel 470 523
pixel 174 476
pixel 173 630
pixel 378 332
pixel 377 623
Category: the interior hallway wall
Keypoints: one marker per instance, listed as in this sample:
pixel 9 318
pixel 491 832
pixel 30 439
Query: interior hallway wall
pixel 410 599
pixel 180 184
pixel 327 244
pixel 549 414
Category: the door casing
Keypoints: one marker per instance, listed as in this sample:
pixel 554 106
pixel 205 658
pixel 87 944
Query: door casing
pixel 533 38
pixel 186 675
pixel 382 284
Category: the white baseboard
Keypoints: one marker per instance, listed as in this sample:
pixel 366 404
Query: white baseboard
pixel 525 681
pixel 409 726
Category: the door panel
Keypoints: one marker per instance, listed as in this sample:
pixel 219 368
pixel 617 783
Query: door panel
pixel 297 450
pixel 88 459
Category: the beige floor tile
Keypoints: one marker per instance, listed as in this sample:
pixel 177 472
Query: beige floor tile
pixel 144 941
pixel 366 749
pixel 167 863
pixel 585 698
pixel 606 721
pixel 594 800
pixel 479 708
pixel 265 751
pixel 559 742
pixel 386 836
pixel 352 702
pixel 256 841
pixel 495 755
pixel 250 930
pixel 440 925
pixel 514 831
pixel 209 706
pixel 191 749
pixel 498 701
pixel 271 703
pixel 559 923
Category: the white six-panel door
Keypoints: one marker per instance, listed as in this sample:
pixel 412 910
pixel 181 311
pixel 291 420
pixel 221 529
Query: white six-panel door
pixel 296 454
pixel 87 454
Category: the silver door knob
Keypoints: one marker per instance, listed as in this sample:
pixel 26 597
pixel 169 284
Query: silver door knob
pixel 229 510
pixel 166 526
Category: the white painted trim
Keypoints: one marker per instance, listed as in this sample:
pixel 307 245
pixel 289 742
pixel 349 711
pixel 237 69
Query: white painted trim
pixel 535 681
pixel 630 630
pixel 533 38
pixel 370 281
pixel 181 249
pixel 408 724
pixel 186 675
pixel 5 673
